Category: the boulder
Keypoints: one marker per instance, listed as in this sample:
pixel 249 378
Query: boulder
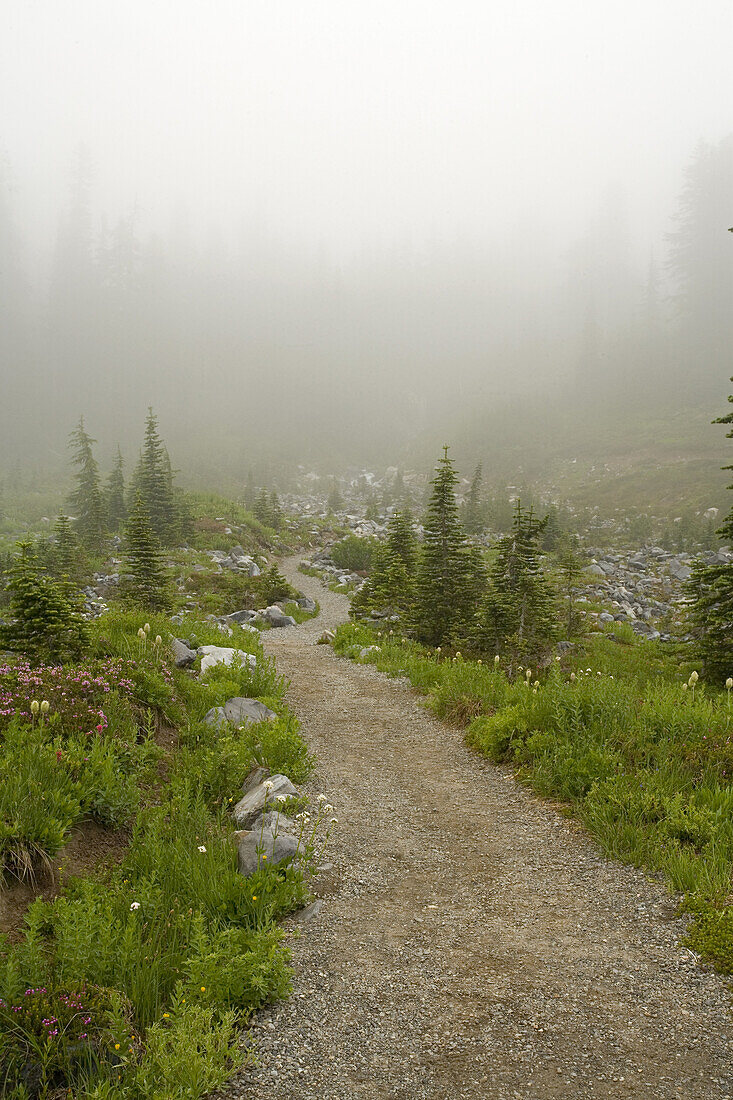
pixel 183 655
pixel 275 616
pixel 263 847
pixel 243 616
pixel 216 717
pixel 251 805
pixel 222 655
pixel 596 570
pixel 679 570
pixel 306 602
pixel 241 711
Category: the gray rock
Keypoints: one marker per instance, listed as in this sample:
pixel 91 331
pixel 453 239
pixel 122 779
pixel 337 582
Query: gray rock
pixel 605 617
pixel 596 570
pixel 275 616
pixel 221 655
pixel 369 649
pixel 257 848
pixel 326 638
pixel 255 777
pixel 306 602
pixel 240 617
pixel 679 571
pixel 276 823
pixel 183 656
pixel 216 717
pixel 241 711
pixel 253 802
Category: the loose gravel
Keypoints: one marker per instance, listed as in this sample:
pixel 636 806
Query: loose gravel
pixel 470 940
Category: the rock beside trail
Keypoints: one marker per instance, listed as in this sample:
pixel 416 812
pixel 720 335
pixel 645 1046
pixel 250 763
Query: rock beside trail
pixel 264 846
pixel 241 711
pixel 222 655
pixel 275 616
pixel 254 801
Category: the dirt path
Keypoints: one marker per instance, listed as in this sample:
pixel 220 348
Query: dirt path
pixel 472 943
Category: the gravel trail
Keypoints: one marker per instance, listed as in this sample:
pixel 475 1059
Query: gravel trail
pixel 471 941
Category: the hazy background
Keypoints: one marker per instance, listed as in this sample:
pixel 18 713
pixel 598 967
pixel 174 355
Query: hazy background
pixel 337 233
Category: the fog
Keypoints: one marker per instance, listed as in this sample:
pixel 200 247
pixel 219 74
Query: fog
pixel 328 233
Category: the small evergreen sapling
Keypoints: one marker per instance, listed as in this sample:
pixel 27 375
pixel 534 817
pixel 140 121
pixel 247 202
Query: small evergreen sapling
pixel 711 590
pixel 449 577
pixel 144 578
pixel 46 624
pixel 86 500
pixel 115 496
pixel 518 614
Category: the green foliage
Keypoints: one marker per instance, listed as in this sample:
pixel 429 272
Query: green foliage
pixel 144 578
pixel 45 621
pixel 518 613
pixel 66 555
pixel 115 496
pixel 449 574
pixel 153 482
pixel 711 590
pixel 474 512
pixel 354 553
pixel 86 500
pixel 169 952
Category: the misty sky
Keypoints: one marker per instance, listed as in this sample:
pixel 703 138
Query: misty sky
pixel 350 126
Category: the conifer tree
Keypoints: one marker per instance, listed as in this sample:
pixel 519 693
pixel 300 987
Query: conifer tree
pixel 711 590
pixel 518 613
pixel 65 556
pixel 262 509
pixel 116 509
pixel 446 580
pixel 276 512
pixel 473 516
pixel 390 587
pixel 153 480
pixel 571 570
pixel 335 500
pixel 46 624
pixel 86 499
pixel 144 578
pixel 250 493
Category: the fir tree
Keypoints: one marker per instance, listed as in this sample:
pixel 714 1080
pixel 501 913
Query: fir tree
pixel 474 515
pixel 153 480
pixel 335 500
pixel 46 624
pixel 570 565
pixel 262 510
pixel 116 509
pixel 711 590
pixel 390 586
pixel 446 580
pixel 518 613
pixel 276 512
pixel 250 493
pixel 86 499
pixel 66 552
pixel 144 578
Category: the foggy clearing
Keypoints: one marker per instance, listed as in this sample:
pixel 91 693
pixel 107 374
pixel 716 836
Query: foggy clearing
pixel 366 551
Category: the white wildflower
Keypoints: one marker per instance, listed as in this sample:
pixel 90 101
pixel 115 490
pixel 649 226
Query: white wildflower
pixel 202 848
pixel 135 905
